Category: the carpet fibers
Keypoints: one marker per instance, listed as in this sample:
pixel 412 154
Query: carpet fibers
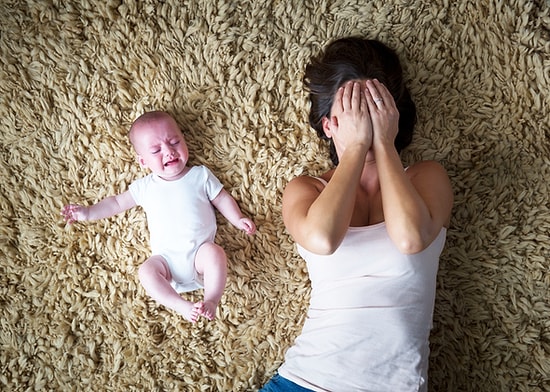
pixel 75 74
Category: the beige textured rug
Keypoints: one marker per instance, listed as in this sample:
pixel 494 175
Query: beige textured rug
pixel 74 75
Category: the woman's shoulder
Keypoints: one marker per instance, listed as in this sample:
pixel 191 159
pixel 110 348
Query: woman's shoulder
pixel 307 181
pixel 434 185
pixel 426 168
pixel 302 189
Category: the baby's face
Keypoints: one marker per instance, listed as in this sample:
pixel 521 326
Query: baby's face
pixel 161 147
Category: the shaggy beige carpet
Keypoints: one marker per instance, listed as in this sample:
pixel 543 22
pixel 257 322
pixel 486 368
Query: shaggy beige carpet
pixel 73 77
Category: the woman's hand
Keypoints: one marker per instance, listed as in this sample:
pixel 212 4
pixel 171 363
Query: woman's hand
pixel 383 113
pixel 350 123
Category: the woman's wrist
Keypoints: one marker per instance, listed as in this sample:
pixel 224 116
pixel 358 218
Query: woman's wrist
pixel 384 148
pixel 358 150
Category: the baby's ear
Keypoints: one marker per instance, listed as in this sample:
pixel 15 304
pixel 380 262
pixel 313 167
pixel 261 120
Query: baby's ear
pixel 141 161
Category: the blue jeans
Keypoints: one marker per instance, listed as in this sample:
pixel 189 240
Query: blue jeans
pixel 280 384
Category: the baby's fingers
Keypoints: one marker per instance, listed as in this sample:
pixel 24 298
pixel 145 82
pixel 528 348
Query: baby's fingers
pixel 248 226
pixel 69 213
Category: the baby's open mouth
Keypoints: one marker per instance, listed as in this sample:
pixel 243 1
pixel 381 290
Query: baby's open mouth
pixel 172 162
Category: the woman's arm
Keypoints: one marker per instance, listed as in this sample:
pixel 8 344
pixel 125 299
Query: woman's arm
pixel 318 217
pixel 417 203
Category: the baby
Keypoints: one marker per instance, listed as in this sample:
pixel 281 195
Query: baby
pixel 178 201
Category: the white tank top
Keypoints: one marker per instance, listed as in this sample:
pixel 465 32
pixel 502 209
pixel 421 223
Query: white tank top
pixel 370 316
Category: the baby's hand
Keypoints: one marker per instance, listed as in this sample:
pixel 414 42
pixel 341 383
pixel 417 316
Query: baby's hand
pixel 247 226
pixel 73 213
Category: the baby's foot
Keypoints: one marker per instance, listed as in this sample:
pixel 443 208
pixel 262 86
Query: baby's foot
pixel 191 311
pixel 207 309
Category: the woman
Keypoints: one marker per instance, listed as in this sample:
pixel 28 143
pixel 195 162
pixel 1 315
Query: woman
pixel 370 231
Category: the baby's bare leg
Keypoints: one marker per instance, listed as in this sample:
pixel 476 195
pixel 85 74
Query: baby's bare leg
pixel 155 277
pixel 211 262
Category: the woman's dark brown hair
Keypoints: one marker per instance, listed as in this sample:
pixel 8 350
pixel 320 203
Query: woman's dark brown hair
pixel 355 58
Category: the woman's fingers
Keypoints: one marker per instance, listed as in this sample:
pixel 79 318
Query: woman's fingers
pixel 338 100
pixel 374 97
pixel 383 112
pixel 347 97
pixel 357 96
pixel 350 96
pixel 369 98
pixel 377 94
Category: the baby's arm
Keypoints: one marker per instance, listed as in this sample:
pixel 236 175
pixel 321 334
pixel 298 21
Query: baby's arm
pixel 225 203
pixel 107 207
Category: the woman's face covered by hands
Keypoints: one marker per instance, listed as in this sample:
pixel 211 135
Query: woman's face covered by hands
pixel 363 114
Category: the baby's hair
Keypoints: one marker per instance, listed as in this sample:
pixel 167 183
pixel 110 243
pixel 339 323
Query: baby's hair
pixel 145 118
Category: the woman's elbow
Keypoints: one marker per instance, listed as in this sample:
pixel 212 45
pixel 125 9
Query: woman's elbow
pixel 321 244
pixel 410 247
pixel 411 243
pixel 324 250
